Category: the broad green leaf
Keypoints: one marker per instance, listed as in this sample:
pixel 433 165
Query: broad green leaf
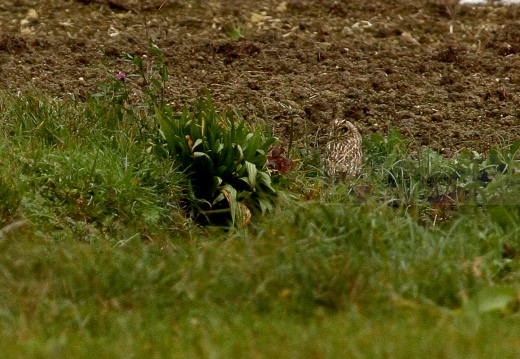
pixel 513 149
pixel 265 205
pixel 231 195
pixel 268 143
pixel 265 179
pixel 197 142
pixel 200 154
pixel 217 199
pixel 240 153
pixel 220 147
pixel 251 173
pixel 491 299
pixel 167 128
pixel 252 143
pixel 246 180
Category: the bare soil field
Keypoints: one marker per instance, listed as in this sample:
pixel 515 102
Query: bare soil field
pixel 444 74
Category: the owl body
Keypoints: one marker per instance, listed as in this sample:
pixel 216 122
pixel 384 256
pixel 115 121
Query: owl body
pixel 345 154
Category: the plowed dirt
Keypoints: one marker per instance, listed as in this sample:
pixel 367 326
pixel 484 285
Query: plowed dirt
pixel 444 74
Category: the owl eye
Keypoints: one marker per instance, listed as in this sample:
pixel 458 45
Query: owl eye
pixel 344 129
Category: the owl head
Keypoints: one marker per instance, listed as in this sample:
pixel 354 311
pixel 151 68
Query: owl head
pixel 342 129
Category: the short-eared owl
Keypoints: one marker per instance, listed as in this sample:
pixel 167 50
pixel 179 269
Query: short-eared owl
pixel 345 155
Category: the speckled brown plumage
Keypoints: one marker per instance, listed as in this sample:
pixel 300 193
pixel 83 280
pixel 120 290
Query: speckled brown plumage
pixel 344 151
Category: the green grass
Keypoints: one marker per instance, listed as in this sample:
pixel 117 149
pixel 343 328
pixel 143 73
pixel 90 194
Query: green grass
pixel 101 258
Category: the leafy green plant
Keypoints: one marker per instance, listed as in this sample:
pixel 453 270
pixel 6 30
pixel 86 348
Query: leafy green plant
pixel 153 75
pixel 505 159
pixel 224 159
pixel 109 104
pixel 236 32
pixel 123 104
pixel 407 178
pixel 428 184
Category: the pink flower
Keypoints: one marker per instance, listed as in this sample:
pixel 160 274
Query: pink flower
pixel 121 76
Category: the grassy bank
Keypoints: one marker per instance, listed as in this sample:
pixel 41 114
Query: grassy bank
pixel 104 251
